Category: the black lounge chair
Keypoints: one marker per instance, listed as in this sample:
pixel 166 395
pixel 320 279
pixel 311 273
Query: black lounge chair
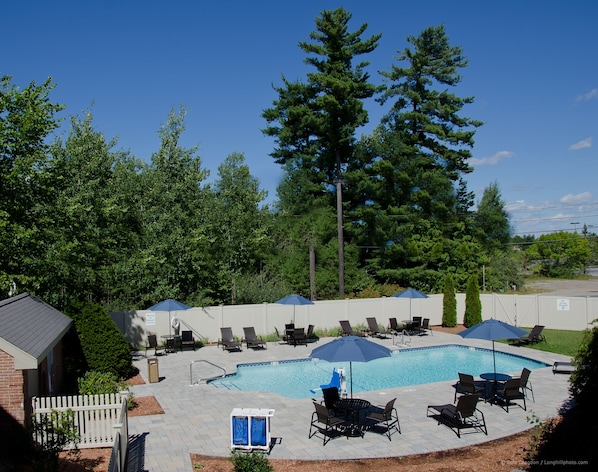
pixel 424 328
pixel 227 341
pixel 326 424
pixel 375 329
pixel 467 386
pixel 386 417
pixel 511 390
pixel 534 336
pixel 187 340
pixel 348 331
pixel 394 326
pixel 311 336
pixel 252 340
pixel 463 415
pixel 560 367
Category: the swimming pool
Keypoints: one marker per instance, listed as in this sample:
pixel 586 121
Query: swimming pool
pixel 415 366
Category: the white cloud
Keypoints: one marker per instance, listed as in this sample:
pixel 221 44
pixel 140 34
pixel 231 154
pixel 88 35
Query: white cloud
pixel 492 160
pixel 588 96
pixel 583 144
pixel 571 199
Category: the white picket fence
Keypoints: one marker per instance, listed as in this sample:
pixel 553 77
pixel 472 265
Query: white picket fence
pixel 97 417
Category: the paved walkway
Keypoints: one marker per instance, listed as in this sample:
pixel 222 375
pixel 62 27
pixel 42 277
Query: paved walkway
pixel 197 417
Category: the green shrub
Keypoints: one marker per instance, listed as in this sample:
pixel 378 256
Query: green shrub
pixel 583 383
pixel 473 305
pixel 449 303
pixel 53 432
pixel 104 347
pixel 100 383
pixel 253 461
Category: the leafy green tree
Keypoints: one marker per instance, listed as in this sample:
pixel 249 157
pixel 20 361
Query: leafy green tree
pixel 174 260
pixel 583 383
pixel 449 303
pixel 492 220
pixel 242 224
pixel 315 122
pixel 473 305
pixel 559 254
pixel 27 118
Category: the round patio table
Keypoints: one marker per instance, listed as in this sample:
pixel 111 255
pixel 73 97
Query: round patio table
pixel 494 378
pixel 353 408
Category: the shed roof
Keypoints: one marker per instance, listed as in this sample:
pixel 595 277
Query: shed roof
pixel 29 329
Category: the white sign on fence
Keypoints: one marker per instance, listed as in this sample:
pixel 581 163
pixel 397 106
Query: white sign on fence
pixel 562 304
pixel 150 319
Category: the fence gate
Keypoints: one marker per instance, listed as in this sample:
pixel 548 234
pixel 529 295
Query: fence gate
pixel 94 415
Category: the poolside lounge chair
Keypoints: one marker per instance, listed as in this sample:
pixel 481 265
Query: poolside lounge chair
pixel 326 424
pixel 152 343
pixel 375 329
pixel 252 340
pixel 348 331
pixel 560 367
pixel 386 417
pixel 311 336
pixel 463 415
pixel 534 336
pixel 467 385
pixel 511 390
pixel 227 341
pixel 187 340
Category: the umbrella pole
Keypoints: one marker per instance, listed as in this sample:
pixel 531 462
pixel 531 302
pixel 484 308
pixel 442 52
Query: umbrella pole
pixel 494 360
pixel 351 372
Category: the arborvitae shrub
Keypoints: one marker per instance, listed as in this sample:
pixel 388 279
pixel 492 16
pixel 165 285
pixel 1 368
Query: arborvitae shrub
pixel 449 303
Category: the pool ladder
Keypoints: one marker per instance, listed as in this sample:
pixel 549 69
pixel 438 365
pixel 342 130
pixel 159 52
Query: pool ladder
pixel 405 339
pixel 206 378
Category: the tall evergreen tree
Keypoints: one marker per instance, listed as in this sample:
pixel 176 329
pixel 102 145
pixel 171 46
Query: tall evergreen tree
pixel 449 302
pixel 473 305
pixel 315 123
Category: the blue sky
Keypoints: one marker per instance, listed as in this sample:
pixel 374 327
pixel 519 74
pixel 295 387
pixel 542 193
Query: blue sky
pixel 532 70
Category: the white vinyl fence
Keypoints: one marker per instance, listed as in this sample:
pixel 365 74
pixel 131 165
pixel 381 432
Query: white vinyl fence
pixel 553 312
pixel 95 416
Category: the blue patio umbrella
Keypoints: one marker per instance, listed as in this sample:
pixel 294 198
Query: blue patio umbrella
pixel 410 293
pixel 350 349
pixel 294 300
pixel 169 305
pixel 492 330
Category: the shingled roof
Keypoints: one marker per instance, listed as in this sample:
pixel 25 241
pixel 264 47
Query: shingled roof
pixel 29 329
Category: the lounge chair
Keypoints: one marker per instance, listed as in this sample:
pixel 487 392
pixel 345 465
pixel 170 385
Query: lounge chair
pixel 375 329
pixel 560 367
pixel 348 331
pixel 534 336
pixel 227 341
pixel 187 340
pixel 252 340
pixel 326 424
pixel 463 415
pixel 152 343
pixel 467 386
pixel 386 417
pixel 311 336
pixel 511 390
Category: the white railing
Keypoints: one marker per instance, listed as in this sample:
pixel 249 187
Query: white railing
pixel 94 415
pixel 118 457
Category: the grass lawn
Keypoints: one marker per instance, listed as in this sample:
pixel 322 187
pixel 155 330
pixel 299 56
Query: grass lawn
pixel 558 341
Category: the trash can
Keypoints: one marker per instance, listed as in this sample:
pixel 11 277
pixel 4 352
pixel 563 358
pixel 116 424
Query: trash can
pixel 152 369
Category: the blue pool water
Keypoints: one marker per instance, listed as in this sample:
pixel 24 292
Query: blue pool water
pixel 294 379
